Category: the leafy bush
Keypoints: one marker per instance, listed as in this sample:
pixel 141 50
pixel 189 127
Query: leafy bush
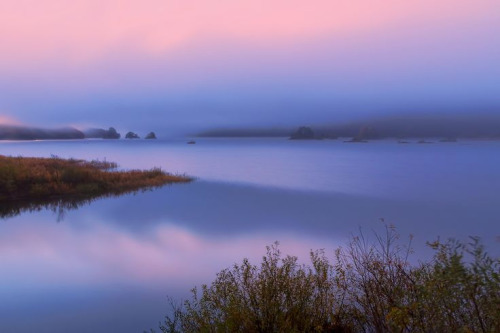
pixel 369 287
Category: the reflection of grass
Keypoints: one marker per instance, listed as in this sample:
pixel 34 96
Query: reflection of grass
pixel 28 183
pixel 369 287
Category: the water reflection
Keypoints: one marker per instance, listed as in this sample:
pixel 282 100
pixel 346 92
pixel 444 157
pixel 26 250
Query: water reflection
pixel 230 211
pixel 59 206
pixel 112 262
pixel 109 275
pixel 217 209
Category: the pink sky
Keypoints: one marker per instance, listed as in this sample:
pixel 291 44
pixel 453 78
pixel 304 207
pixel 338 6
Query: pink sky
pixel 34 32
pixel 224 61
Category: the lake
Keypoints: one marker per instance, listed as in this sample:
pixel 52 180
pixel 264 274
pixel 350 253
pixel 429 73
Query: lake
pixel 110 265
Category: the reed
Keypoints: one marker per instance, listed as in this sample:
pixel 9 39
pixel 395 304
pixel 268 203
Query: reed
pixel 26 178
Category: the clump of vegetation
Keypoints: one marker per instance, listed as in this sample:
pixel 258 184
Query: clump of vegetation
pixel 24 178
pixel 369 287
pixel 302 133
pixel 111 133
pixel 101 133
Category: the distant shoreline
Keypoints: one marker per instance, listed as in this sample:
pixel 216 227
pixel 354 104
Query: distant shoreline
pixel 26 133
pixel 482 126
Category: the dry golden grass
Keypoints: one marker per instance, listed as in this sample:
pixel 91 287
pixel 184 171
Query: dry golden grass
pixel 23 178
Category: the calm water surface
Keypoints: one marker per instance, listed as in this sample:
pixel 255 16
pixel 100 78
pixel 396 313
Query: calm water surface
pixel 109 266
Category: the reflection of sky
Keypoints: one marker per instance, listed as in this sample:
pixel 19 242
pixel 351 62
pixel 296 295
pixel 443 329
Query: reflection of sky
pixel 124 255
pixel 98 270
pixel 119 257
pixel 103 254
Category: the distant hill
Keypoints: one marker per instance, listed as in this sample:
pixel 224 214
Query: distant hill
pixel 427 126
pixel 100 133
pixel 470 126
pixel 11 132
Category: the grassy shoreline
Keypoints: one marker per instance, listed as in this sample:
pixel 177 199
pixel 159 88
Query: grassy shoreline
pixel 30 178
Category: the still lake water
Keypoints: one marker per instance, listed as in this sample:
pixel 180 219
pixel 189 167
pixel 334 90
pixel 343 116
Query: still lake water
pixel 110 265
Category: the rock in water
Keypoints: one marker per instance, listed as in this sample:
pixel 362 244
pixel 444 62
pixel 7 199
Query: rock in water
pixel 151 135
pixel 131 135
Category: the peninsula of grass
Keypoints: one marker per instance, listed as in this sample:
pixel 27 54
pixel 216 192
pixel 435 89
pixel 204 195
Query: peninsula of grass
pixel 35 179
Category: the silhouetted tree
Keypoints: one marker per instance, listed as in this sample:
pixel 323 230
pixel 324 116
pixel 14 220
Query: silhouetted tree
pixel 111 134
pixel 302 133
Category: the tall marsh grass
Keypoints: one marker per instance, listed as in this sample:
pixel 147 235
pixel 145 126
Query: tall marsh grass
pixel 33 183
pixel 34 178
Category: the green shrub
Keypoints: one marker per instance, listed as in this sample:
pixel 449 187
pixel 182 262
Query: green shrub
pixel 369 287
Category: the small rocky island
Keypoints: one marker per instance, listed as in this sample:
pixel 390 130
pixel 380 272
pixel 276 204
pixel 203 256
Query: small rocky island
pixel 131 135
pixel 150 136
